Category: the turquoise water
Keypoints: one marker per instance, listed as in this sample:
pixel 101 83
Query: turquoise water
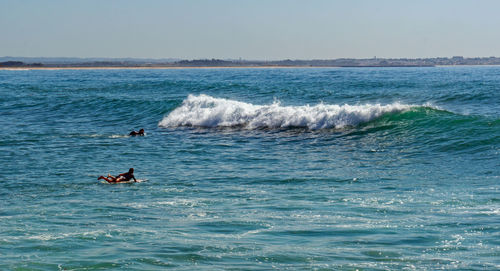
pixel 251 169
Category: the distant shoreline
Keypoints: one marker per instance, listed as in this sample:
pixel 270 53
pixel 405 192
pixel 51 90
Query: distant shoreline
pixel 131 63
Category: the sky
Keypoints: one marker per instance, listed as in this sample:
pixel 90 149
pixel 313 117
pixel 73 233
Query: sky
pixel 254 30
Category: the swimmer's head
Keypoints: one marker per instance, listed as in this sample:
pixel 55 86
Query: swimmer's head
pixel 131 170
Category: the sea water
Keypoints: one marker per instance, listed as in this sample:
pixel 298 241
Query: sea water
pixel 251 169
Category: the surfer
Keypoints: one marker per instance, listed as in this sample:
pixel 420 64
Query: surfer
pixel 124 177
pixel 134 133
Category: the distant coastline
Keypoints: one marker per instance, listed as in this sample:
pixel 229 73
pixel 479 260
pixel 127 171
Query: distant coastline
pixel 131 63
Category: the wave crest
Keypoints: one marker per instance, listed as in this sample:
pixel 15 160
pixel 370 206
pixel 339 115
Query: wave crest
pixel 207 111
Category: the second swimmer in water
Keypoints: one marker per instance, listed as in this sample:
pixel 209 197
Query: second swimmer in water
pixel 134 133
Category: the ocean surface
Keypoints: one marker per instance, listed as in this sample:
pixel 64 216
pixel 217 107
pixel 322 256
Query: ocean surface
pixel 251 169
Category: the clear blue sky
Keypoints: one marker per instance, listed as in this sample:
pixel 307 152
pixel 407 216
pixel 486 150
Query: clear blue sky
pixel 258 29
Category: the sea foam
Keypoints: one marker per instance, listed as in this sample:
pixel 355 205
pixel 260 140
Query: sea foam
pixel 207 111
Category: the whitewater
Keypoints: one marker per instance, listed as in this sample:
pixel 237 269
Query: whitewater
pixel 207 111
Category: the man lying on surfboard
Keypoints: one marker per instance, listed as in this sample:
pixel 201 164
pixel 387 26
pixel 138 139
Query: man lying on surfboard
pixel 124 177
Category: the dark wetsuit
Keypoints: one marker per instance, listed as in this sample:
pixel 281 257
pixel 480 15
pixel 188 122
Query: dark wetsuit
pixel 125 177
pixel 134 133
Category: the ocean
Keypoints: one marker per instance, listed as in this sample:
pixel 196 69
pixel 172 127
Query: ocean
pixel 251 169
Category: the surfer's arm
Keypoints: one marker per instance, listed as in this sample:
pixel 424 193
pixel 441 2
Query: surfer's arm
pixel 134 178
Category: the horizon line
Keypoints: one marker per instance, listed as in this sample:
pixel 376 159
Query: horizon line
pixel 240 58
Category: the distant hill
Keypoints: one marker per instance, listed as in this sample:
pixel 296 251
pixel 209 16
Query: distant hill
pixel 72 60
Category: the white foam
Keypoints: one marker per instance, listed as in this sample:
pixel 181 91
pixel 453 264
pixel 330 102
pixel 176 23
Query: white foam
pixel 207 111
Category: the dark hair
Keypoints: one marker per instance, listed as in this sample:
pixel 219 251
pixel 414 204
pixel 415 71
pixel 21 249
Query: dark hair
pixel 131 170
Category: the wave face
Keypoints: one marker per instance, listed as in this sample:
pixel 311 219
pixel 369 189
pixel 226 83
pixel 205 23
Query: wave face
pixel 207 111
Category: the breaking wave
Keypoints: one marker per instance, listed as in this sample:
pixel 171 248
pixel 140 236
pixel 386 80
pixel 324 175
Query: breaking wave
pixel 207 111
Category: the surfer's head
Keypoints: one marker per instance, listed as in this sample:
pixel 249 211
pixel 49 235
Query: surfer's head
pixel 141 131
pixel 131 170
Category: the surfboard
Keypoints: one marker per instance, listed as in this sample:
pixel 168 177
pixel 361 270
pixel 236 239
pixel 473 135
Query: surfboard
pixel 131 181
